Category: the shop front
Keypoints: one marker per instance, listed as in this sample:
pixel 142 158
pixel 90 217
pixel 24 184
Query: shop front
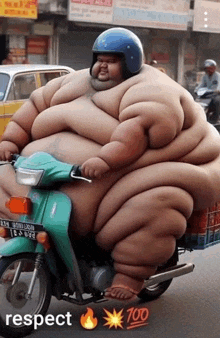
pixel 27 43
pixel 23 35
pixel 161 26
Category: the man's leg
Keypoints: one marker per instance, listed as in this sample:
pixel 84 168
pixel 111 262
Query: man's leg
pixel 143 234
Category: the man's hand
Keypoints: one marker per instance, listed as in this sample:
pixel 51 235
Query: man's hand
pixel 94 168
pixel 5 155
pixel 7 149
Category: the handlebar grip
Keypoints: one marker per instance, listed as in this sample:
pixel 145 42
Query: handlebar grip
pixel 14 158
pixel 76 171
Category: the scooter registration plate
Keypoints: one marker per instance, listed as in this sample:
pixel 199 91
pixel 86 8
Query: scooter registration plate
pixel 22 229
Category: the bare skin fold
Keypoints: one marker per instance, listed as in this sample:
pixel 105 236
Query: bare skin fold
pixel 148 148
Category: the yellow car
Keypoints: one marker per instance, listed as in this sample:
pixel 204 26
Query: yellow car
pixel 17 82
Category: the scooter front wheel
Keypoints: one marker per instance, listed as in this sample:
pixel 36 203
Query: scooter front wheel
pixel 17 311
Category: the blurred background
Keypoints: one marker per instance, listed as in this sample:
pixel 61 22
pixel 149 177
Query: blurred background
pixel 178 34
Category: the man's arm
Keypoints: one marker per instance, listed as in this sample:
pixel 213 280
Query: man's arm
pixel 218 83
pixel 203 84
pixel 128 142
pixel 143 125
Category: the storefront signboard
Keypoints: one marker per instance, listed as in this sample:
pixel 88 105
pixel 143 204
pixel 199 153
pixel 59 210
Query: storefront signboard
pixel 18 9
pixel 172 14
pixel 100 11
pixel 207 16
pixel 37 45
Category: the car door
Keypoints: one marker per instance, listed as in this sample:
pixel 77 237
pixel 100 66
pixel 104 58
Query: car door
pixel 4 83
pixel 20 90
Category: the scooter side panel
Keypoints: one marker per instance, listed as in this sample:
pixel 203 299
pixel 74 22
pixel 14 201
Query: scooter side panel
pixel 39 200
pixel 56 222
pixel 17 245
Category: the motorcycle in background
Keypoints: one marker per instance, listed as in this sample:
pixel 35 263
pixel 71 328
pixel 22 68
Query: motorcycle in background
pixel 204 97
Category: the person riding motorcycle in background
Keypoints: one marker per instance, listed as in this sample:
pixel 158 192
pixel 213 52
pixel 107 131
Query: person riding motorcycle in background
pixel 211 81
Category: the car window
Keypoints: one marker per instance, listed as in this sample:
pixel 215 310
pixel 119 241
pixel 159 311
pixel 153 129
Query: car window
pixel 64 73
pixel 11 94
pixel 4 80
pixel 47 76
pixel 22 87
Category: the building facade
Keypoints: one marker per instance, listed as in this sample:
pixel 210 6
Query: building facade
pixel 64 31
pixel 28 30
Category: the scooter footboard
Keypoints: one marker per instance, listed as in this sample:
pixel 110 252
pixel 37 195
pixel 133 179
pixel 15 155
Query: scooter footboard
pixel 56 220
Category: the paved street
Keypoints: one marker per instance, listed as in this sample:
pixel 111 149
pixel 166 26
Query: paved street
pixel 188 309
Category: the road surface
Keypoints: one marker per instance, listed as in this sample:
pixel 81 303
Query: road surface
pixel 188 309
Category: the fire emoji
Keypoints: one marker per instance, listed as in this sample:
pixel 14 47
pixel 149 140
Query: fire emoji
pixel 88 321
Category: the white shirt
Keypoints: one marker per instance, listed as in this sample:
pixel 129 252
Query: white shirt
pixel 211 82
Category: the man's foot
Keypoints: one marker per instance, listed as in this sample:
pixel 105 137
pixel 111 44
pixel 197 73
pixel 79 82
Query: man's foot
pixel 120 293
pixel 124 288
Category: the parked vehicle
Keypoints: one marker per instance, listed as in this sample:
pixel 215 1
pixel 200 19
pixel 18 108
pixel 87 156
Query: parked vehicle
pixel 42 257
pixel 204 97
pixel 17 82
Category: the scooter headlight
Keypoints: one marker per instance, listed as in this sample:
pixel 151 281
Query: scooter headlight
pixel 30 177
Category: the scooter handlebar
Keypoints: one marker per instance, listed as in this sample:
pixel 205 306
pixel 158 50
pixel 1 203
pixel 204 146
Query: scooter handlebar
pixel 76 173
pixel 14 158
pixel 54 169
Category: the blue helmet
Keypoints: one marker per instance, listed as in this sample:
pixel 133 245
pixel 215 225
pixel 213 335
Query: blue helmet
pixel 124 42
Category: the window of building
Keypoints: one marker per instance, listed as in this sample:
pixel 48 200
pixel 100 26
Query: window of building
pixel 192 4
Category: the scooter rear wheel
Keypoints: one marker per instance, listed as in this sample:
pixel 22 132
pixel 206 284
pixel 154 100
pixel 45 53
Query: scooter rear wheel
pixel 13 298
pixel 155 291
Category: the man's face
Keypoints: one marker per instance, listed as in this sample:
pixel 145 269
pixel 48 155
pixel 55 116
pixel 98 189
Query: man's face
pixel 210 70
pixel 107 71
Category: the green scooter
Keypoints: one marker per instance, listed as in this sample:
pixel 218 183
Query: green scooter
pixel 41 257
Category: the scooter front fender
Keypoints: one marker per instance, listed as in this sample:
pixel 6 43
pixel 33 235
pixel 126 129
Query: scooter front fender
pixel 17 245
